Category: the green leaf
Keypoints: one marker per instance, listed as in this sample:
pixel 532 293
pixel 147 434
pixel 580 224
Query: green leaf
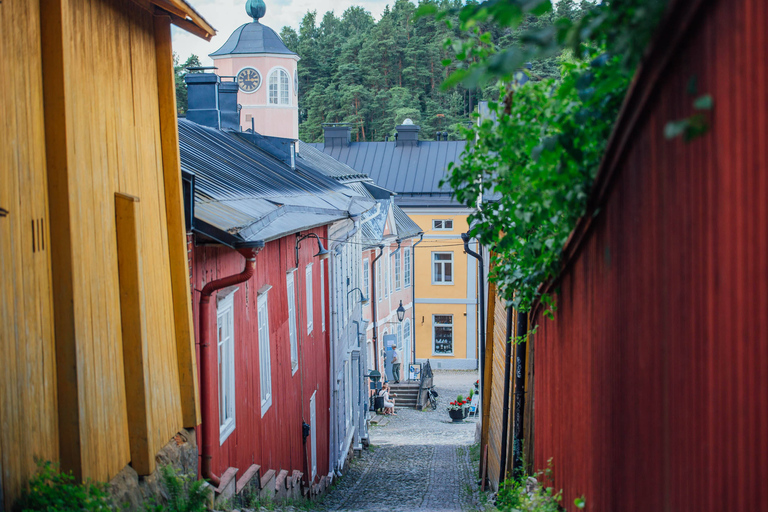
pixel 675 128
pixel 704 102
pixel 580 502
pixel 425 9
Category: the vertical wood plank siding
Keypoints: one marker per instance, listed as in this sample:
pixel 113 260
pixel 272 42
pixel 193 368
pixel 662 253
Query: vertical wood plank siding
pixel 273 441
pixel 651 383
pixel 28 377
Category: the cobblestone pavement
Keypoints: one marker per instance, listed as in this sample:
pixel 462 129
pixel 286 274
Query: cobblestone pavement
pixel 418 461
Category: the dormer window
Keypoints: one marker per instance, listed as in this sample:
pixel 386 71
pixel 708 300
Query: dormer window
pixel 442 225
pixel 279 88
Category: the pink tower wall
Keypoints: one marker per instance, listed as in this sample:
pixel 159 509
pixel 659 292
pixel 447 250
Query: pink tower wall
pixel 273 120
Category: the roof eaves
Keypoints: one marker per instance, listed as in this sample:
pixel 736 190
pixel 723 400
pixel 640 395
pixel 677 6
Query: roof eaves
pixel 184 16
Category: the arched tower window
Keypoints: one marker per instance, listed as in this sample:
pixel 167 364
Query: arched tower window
pixel 279 88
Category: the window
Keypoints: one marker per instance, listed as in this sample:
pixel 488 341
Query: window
pixel 292 321
pixel 348 391
pixel 279 88
pixel 379 277
pixel 386 264
pixel 322 294
pixel 407 264
pixel 400 337
pixel 308 298
pixel 442 268
pixel 442 335
pixel 265 362
pixel 407 331
pixel 226 351
pixel 398 282
pixel 366 279
pixel 442 225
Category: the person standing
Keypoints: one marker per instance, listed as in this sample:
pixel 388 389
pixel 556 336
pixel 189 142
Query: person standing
pixel 396 365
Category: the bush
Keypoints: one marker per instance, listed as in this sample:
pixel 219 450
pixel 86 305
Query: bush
pixel 50 490
pixel 185 493
pixel 527 494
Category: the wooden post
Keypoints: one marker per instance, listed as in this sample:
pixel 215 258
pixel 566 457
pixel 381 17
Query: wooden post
pixel 174 212
pixel 134 328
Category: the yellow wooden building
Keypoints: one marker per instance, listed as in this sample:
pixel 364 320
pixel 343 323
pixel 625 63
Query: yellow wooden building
pixel 96 333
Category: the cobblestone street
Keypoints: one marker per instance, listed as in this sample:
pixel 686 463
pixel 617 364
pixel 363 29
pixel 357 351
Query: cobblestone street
pixel 417 461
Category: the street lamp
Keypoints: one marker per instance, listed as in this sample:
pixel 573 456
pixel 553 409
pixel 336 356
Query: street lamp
pixel 401 312
pixel 363 299
pixel 322 252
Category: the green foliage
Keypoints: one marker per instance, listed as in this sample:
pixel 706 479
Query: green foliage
pixel 542 152
pixel 50 490
pixel 185 493
pixel 374 75
pixel 179 72
pixel 525 494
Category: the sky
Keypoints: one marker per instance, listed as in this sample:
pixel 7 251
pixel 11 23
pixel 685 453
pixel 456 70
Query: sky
pixel 227 15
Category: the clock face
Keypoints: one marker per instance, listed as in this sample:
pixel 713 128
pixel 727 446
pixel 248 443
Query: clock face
pixel 249 80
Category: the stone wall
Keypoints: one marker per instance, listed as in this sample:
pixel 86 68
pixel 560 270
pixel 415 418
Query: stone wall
pixel 131 490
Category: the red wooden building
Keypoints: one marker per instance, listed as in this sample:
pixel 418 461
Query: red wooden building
pixel 260 300
pixel 651 382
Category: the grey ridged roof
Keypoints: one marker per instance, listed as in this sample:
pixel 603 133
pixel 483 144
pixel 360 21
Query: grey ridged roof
pixel 413 171
pixel 253 38
pixel 244 194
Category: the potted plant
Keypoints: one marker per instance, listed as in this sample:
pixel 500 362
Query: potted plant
pixel 456 410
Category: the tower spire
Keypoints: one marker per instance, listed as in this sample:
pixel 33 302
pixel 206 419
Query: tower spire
pixel 255 9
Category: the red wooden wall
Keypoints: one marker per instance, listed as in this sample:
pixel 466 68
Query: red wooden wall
pixel 651 383
pixel 274 441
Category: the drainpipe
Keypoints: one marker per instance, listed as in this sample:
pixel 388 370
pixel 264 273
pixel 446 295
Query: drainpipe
pixel 208 357
pixel 413 295
pixel 505 411
pixel 517 447
pixel 374 307
pixel 465 238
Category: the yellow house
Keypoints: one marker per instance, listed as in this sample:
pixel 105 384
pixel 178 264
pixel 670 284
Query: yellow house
pixel 96 333
pixel 445 309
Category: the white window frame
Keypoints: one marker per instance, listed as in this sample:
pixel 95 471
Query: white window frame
pixel 225 337
pixel 290 283
pixel 313 431
pixel 406 332
pixel 366 277
pixel 348 391
pixel 398 271
pixel 265 360
pixel 387 273
pixel 442 224
pixel 453 335
pixel 282 97
pixel 308 298
pixel 322 294
pixel 407 267
pixel 442 263
pixel 379 278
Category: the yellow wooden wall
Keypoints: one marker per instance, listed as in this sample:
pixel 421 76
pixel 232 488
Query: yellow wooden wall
pixel 111 130
pixel 28 376
pixel 498 339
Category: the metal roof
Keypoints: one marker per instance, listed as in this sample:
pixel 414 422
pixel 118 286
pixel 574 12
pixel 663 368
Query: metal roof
pixel 244 194
pixel 253 38
pixel 412 171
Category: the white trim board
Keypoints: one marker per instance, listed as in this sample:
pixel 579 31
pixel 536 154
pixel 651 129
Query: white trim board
pixel 445 301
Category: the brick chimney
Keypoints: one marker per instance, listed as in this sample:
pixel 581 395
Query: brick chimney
pixel 336 135
pixel 211 102
pixel 407 134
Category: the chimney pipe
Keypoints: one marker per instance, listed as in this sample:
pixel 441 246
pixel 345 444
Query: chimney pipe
pixel 336 135
pixel 229 113
pixel 407 135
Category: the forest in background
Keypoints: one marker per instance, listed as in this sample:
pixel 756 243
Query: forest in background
pixel 375 74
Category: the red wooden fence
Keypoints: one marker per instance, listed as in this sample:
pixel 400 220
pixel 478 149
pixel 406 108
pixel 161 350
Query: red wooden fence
pixel 651 383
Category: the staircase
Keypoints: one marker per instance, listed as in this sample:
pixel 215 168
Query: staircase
pixel 407 393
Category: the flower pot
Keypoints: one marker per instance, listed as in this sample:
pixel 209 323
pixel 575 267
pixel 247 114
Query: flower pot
pixel 456 414
pixel 465 410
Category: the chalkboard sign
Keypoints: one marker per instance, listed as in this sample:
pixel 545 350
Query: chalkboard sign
pixel 443 334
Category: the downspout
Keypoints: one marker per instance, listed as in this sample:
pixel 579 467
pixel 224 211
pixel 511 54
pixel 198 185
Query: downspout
pixel 208 364
pixel 465 238
pixel 374 308
pixel 505 411
pixel 517 447
pixel 413 296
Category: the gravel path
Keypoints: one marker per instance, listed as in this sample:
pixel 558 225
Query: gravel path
pixel 418 461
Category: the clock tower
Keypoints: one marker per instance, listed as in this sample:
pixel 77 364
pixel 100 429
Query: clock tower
pixel 265 72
